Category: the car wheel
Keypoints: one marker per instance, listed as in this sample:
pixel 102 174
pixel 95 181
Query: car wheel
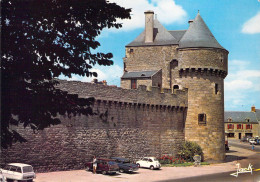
pixel 151 167
pixel 87 168
pixel 121 170
pixel 138 165
pixel 104 172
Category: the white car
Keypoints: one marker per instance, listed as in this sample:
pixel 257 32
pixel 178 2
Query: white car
pixel 18 171
pixel 149 162
pixel 252 141
pixel 2 178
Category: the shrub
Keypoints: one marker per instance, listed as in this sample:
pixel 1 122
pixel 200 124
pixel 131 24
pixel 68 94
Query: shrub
pixel 167 159
pixel 188 150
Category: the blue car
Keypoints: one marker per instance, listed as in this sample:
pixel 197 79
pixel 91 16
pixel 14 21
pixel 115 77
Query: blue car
pixel 125 165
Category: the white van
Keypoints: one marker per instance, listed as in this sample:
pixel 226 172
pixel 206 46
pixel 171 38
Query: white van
pixel 18 171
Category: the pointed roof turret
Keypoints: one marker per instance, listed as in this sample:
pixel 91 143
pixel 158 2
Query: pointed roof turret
pixel 198 35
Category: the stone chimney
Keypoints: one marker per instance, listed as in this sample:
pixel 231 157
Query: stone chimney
pixel 253 108
pixel 149 21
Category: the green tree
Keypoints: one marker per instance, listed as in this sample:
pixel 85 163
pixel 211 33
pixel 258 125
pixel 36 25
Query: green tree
pixel 41 40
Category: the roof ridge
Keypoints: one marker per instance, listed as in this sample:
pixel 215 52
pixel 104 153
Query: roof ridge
pixel 178 30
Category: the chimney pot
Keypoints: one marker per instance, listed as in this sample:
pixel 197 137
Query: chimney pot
pixel 253 108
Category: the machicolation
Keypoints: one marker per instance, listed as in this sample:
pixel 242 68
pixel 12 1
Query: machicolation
pixel 172 90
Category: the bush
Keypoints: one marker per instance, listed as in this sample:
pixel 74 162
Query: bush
pixel 167 159
pixel 188 150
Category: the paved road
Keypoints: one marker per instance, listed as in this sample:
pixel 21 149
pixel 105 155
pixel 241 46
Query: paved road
pixel 216 172
pixel 244 145
pixel 221 177
pixel 243 160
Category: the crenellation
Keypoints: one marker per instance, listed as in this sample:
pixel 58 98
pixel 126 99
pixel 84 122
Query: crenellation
pixel 169 83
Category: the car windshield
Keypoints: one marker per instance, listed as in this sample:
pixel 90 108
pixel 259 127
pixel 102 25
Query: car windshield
pixel 27 169
pixel 155 160
pixel 111 163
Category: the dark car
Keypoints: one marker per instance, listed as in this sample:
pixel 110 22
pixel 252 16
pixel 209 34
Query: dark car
pixel 105 166
pixel 125 165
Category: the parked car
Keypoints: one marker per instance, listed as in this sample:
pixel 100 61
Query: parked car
pixel 252 141
pixel 18 171
pixel 125 165
pixel 105 166
pixel 248 138
pixel 2 178
pixel 244 139
pixel 149 162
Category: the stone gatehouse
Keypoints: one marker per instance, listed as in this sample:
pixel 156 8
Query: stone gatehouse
pixel 172 90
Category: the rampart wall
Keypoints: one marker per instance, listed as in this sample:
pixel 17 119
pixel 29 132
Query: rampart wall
pixel 127 123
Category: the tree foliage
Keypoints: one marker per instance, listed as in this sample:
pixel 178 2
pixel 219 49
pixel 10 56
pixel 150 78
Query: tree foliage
pixel 41 40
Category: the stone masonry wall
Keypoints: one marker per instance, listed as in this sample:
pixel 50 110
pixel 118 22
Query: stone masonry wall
pixel 200 72
pixel 151 58
pixel 157 79
pixel 127 124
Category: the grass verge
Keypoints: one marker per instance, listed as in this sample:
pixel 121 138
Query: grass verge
pixel 186 164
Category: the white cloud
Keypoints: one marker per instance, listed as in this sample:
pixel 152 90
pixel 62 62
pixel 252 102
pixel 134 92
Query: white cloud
pixel 111 74
pixel 237 64
pixel 241 85
pixel 167 12
pixel 252 26
pixel 238 85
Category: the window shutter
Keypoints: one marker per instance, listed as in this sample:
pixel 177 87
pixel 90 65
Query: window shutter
pixel 251 126
pixel 242 126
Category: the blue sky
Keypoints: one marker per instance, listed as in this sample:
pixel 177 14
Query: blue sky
pixel 234 23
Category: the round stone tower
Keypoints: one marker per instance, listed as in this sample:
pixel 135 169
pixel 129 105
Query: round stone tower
pixel 202 69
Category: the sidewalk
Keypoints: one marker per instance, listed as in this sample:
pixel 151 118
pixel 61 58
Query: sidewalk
pixel 144 175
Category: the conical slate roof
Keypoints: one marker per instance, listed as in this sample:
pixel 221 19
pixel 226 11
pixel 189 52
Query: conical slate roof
pixel 198 35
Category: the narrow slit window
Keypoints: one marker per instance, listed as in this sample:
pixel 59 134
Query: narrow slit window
pixel 216 88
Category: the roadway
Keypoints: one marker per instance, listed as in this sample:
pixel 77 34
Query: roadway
pixel 254 159
pixel 215 172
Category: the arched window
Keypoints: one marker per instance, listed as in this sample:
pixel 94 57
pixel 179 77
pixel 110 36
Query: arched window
pixel 175 86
